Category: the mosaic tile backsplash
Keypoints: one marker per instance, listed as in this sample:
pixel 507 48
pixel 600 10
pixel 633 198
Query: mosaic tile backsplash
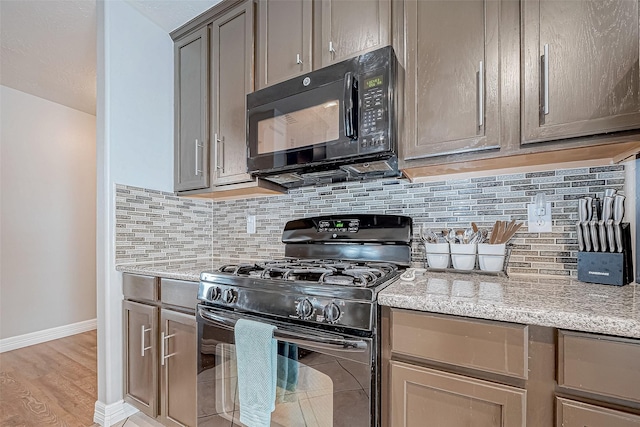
pixel 442 204
pixel 154 226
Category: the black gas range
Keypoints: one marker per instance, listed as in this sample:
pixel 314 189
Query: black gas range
pixel 334 268
pixel 322 299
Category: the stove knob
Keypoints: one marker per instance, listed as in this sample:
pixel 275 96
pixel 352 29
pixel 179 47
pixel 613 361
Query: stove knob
pixel 304 309
pixel 331 312
pixel 214 293
pixel 228 295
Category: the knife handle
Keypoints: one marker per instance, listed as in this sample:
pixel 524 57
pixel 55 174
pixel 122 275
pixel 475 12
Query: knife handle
pixel 618 229
pixel 607 210
pixel 618 208
pixel 602 228
pixel 585 234
pixel 589 208
pixel 580 240
pixel 593 227
pixel 610 236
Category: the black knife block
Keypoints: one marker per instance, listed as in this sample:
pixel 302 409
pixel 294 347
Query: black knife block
pixel 608 268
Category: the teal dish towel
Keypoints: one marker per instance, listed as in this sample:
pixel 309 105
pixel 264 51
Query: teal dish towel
pixel 256 353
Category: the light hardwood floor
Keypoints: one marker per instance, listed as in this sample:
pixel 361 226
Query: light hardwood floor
pixel 50 384
pixel 54 384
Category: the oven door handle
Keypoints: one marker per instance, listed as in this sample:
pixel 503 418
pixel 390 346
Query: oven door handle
pixel 292 334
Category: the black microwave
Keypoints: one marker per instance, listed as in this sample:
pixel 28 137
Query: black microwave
pixel 334 124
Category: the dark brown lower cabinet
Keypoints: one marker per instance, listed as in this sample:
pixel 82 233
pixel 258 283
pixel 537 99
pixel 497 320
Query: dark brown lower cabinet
pixel 178 367
pixel 570 413
pixel 423 396
pixel 160 354
pixel 140 342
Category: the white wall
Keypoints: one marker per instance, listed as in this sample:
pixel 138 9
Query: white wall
pixel 47 214
pixel 135 147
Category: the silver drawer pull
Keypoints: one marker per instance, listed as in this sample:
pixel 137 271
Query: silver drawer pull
pixel 164 357
pixel 198 161
pixel 217 140
pixel 331 48
pixel 298 60
pixel 142 347
pixel 481 95
pixel 545 76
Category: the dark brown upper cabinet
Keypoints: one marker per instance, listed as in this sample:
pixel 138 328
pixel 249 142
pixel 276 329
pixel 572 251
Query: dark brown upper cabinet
pixel 231 80
pixel 581 70
pixel 452 96
pixel 283 40
pixel 191 153
pixel 350 28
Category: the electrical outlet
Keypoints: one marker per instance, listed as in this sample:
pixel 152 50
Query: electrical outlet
pixel 251 224
pixel 539 223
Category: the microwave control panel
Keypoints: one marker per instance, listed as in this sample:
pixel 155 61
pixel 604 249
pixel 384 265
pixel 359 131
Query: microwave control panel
pixel 374 122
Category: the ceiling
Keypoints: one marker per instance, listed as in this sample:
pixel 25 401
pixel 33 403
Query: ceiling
pixel 48 47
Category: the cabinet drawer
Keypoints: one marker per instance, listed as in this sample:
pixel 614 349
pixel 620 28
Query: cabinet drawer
pixel 139 287
pixel 577 414
pixel 485 345
pixel 180 293
pixel 449 400
pixel 604 365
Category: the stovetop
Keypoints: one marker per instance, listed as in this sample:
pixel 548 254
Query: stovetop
pixel 334 268
pixel 317 271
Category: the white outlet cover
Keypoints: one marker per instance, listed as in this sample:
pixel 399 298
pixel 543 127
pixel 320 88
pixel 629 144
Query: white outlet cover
pixel 251 224
pixel 539 225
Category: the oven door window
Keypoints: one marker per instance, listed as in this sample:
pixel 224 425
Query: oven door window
pixel 303 128
pixel 314 388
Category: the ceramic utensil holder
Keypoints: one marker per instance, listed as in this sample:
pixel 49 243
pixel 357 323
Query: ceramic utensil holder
pixel 491 257
pixel 437 255
pixel 608 268
pixel 463 256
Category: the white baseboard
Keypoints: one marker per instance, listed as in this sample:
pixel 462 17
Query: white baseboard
pixel 108 415
pixel 13 343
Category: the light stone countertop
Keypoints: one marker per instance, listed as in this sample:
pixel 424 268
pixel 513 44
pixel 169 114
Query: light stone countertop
pixel 181 269
pixel 542 301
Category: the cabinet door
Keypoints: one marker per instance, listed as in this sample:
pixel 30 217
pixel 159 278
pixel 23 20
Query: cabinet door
pixel 589 80
pixel 140 352
pixel 577 414
pixel 452 70
pixel 283 40
pixel 178 366
pixel 191 164
pixel 232 79
pixel 350 28
pixel 449 400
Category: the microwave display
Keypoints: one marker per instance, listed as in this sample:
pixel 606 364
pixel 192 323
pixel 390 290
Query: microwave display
pixel 373 82
pixel 300 128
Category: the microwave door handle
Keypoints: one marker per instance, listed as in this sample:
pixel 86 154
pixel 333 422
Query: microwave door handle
pixel 292 336
pixel 349 110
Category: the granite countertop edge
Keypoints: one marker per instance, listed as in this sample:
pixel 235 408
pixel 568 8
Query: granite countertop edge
pixel 539 301
pixel 599 309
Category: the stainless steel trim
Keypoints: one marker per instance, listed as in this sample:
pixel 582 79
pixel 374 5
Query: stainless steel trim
pixel 481 95
pixel 142 347
pixel 546 78
pixel 216 140
pixel 198 171
pixel 298 60
pixel 164 357
pixel 292 334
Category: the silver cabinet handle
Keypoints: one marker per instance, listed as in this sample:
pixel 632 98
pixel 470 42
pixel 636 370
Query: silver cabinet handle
pixel 198 162
pixel 331 49
pixel 298 60
pixel 545 76
pixel 163 356
pixel 215 147
pixel 142 347
pixel 481 95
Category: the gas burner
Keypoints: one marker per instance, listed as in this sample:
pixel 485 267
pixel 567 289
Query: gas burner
pixel 331 272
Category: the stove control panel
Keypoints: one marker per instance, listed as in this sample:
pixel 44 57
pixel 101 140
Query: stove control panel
pixel 339 226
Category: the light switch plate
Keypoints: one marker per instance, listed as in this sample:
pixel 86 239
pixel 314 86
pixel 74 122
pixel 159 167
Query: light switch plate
pixel 539 224
pixel 251 224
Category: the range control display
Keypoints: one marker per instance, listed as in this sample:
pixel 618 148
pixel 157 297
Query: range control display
pixel 333 226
